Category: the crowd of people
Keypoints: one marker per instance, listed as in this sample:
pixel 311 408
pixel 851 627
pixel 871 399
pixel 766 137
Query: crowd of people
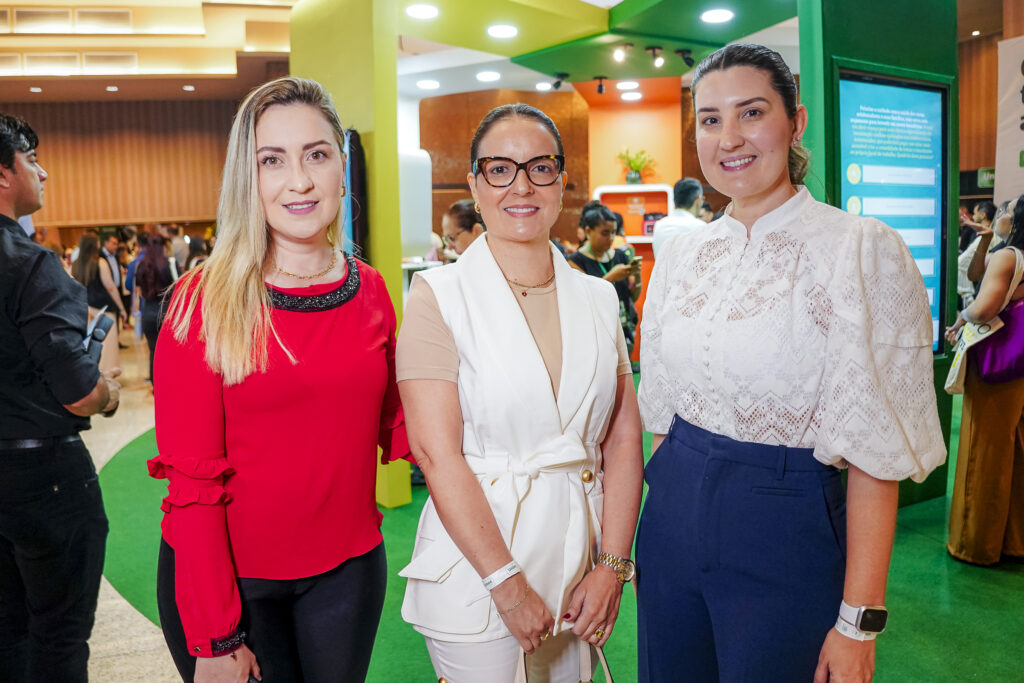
pixel 775 356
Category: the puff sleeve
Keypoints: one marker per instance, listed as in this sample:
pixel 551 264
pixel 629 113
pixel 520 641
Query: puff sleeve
pixel 877 406
pixel 190 440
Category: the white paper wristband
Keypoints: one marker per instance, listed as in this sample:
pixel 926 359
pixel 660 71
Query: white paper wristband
pixel 502 575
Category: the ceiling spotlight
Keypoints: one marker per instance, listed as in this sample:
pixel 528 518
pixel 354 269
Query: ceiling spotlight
pixel 627 85
pixel 188 88
pixel 488 76
pixel 656 57
pixel 686 55
pixel 544 86
pixel 716 16
pixel 561 76
pixel 502 31
pixel 620 52
pixel 428 84
pixel 975 33
pixel 35 89
pixel 631 96
pixel 421 11
pixel 600 84
pixel 111 88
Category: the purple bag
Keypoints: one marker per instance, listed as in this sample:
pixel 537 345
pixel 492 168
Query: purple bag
pixel 999 358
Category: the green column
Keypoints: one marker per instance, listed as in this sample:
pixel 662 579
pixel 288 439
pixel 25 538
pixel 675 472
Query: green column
pixel 351 47
pixel 904 39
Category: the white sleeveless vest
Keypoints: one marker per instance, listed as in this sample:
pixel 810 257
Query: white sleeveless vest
pixel 538 460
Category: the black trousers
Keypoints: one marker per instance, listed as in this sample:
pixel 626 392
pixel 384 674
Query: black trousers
pixel 318 629
pixel 53 534
pixel 152 318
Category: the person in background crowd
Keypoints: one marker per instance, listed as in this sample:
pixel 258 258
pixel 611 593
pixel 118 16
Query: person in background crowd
pixel 276 385
pixel 519 451
pixel 53 528
pixel 986 518
pixel 785 341
pixel 619 240
pixel 707 214
pixel 598 258
pixel 971 226
pixel 179 246
pixel 95 273
pixel 461 224
pixel 196 253
pixel 152 280
pixel 688 197
pixel 989 230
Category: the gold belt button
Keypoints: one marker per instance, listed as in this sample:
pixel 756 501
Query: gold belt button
pixel 587 476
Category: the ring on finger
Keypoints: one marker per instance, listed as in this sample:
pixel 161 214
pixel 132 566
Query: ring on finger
pixel 599 633
pixel 544 636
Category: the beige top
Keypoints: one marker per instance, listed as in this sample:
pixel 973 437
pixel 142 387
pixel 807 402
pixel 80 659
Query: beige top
pixel 426 347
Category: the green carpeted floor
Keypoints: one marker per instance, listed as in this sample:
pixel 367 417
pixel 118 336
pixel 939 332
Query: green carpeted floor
pixel 950 621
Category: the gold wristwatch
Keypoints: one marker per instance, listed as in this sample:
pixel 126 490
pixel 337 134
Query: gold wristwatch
pixel 623 567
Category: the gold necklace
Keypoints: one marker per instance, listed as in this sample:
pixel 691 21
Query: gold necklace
pixel 334 260
pixel 523 287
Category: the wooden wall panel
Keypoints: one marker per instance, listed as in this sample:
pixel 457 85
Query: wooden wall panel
pixel 979 84
pixel 129 162
pixel 447 124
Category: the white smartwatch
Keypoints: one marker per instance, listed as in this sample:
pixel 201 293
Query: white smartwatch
pixel 861 623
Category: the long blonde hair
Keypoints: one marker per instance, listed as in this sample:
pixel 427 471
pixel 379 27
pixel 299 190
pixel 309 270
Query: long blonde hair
pixel 236 322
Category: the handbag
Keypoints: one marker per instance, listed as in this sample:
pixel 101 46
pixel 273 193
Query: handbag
pixel 1000 358
pixel 586 664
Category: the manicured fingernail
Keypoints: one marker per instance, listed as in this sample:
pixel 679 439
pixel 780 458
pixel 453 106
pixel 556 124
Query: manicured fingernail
pixel 566 615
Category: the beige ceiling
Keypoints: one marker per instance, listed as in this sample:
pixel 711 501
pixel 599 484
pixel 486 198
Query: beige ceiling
pixel 148 49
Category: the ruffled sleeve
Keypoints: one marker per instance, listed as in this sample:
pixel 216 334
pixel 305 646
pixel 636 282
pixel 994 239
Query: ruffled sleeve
pixel 391 437
pixel 877 406
pixel 190 440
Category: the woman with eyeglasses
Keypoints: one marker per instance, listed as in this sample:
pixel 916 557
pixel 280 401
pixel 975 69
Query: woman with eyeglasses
pixel 461 225
pixel 520 409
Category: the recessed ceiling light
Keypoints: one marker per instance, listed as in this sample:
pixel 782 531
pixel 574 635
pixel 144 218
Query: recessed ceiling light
pixel 631 96
pixel 188 88
pixel 502 31
pixel 488 76
pixel 975 33
pixel 35 89
pixel 716 16
pixel 422 11
pixel 111 88
pixel 428 84
pixel 543 86
pixel 627 85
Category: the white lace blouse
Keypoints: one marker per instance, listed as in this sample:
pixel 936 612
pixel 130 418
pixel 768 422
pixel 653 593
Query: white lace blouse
pixel 813 333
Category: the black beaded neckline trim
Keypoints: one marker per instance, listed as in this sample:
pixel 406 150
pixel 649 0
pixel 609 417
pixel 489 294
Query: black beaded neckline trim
pixel 312 303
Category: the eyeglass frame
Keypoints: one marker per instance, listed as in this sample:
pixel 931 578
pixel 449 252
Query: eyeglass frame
pixel 521 166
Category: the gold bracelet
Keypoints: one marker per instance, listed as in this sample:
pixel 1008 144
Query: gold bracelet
pixel 525 593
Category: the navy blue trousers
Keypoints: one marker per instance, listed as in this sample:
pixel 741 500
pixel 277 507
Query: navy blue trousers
pixel 741 556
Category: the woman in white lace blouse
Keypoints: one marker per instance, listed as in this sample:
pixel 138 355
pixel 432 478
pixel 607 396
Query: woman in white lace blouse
pixel 783 343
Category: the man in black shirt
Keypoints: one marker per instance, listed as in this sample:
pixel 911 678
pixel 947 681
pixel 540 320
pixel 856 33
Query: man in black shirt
pixel 52 525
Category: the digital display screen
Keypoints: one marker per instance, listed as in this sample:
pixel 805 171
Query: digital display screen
pixel 892 140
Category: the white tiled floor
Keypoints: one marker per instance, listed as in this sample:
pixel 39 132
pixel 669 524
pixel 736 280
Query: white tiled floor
pixel 125 646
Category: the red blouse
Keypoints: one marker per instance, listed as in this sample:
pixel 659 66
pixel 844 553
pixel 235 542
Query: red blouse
pixel 275 477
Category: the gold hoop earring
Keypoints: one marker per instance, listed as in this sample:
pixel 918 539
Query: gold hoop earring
pixel 476 207
pixel 343 191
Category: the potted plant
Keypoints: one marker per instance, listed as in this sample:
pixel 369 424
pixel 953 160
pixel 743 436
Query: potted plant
pixel 636 164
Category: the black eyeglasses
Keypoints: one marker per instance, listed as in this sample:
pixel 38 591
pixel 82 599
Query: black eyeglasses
pixel 502 172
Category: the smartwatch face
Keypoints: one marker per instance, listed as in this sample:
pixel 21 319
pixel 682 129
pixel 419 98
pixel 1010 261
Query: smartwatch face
pixel 873 620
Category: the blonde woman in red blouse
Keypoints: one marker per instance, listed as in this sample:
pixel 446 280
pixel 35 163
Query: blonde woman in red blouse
pixel 276 374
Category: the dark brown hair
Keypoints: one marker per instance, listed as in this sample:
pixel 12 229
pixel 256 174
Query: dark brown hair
pixel 463 212
pixel 772 63
pixel 507 111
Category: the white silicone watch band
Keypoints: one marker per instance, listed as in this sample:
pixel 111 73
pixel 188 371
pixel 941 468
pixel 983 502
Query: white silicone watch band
pixel 851 631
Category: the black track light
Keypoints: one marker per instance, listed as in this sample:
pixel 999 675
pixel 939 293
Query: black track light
pixel 686 55
pixel 656 59
pixel 600 84
pixel 561 76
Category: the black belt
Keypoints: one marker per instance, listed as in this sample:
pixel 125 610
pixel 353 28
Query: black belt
pixel 24 444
